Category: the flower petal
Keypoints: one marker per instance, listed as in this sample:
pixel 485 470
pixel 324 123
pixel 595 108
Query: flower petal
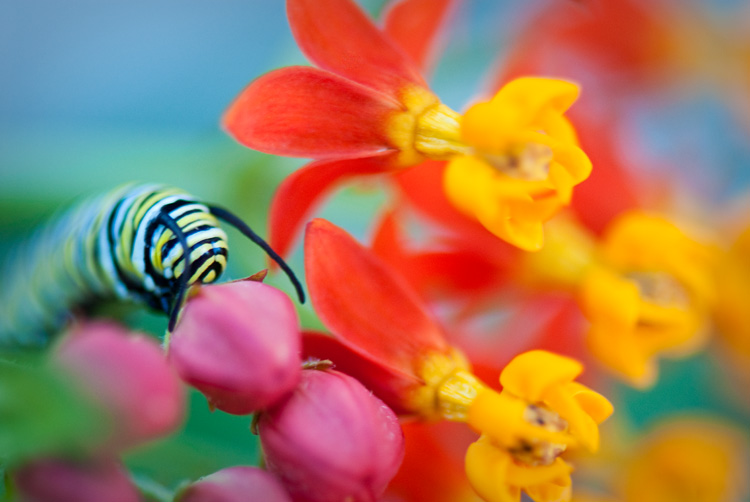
pixel 486 468
pixel 337 36
pixel 503 205
pixel 536 96
pixel 364 303
pixel 612 188
pixel 580 424
pixel 435 457
pixel 530 374
pixel 422 186
pixel 302 190
pixel 456 271
pixel 593 403
pixel 306 112
pixel 388 384
pixel 417 25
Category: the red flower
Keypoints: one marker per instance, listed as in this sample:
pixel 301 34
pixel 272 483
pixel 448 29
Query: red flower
pixel 357 113
pixel 384 336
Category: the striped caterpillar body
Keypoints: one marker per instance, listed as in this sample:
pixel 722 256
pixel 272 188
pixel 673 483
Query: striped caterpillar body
pixel 133 243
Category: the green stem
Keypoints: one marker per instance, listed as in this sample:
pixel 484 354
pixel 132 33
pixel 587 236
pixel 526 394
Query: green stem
pixel 150 490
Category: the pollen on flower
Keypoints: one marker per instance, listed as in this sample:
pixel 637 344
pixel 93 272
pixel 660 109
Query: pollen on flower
pixel 426 129
pixel 660 288
pixel 524 160
pixel 529 162
pixel 535 452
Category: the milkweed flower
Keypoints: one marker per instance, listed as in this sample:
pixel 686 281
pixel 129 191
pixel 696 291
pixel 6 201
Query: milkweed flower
pixel 127 376
pixel 234 484
pixel 652 295
pixel 392 344
pixel 524 160
pixel 367 110
pixel 545 412
pixel 239 344
pixel 331 440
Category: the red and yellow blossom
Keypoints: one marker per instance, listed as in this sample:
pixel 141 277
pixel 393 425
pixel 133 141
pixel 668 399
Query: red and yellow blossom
pixel 545 412
pixel 523 161
pixel 384 336
pixel 367 110
pixel 650 295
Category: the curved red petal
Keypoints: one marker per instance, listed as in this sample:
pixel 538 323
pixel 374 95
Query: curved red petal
pixel 300 192
pixel 337 36
pixel 435 456
pixel 306 112
pixel 457 271
pixel 386 241
pixel 389 384
pixel 364 303
pixel 611 189
pixel 417 25
pixel 622 41
pixel 422 187
pixel 624 36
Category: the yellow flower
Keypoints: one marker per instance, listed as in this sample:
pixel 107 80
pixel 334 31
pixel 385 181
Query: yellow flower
pixel 496 477
pixel 523 161
pixel 563 262
pixel 650 296
pixel 540 413
pixel 688 461
pixel 733 297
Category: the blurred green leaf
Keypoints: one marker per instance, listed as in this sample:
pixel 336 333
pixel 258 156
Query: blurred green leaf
pixel 41 412
pixel 210 441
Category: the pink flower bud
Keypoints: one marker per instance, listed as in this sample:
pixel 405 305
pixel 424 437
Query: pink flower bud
pixel 235 484
pixel 52 480
pixel 128 376
pixel 332 440
pixel 239 344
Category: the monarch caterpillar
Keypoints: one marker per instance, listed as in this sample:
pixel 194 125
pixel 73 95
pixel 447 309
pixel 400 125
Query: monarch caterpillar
pixel 135 242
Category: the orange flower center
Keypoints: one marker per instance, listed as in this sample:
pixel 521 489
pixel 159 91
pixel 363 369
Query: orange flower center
pixel 660 288
pixel 535 452
pixel 530 162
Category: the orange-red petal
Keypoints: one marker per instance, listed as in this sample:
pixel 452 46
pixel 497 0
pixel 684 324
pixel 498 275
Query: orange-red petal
pixel 364 303
pixel 422 186
pixel 611 189
pixel 454 271
pixel 300 192
pixel 387 383
pixel 417 25
pixel 434 457
pixel 338 36
pixel 306 112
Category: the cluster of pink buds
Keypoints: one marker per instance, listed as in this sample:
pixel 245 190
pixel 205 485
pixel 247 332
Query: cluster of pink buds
pixel 126 378
pixel 325 437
